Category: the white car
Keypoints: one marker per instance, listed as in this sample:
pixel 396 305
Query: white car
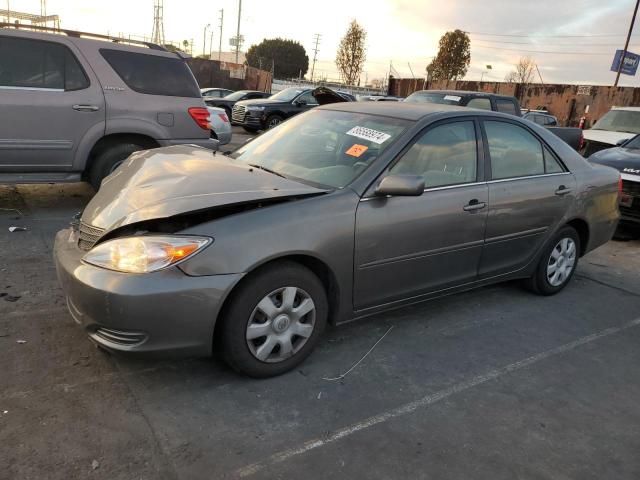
pixel 615 126
pixel 220 125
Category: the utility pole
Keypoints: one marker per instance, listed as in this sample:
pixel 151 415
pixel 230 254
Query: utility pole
pixel 8 12
pixel 204 40
pixel 626 45
pixel 316 38
pixel 220 44
pixel 211 44
pixel 238 30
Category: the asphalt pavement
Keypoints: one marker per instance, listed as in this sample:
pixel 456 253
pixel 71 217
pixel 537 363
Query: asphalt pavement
pixel 491 384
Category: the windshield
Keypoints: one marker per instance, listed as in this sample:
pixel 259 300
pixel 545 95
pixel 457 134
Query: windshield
pixel 235 96
pixel 619 121
pixel 287 94
pixel 633 144
pixel 322 147
pixel 429 97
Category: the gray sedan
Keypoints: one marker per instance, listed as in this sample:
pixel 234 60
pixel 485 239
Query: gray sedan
pixel 339 213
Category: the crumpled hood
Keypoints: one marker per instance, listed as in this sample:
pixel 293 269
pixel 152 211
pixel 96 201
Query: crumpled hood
pixel 625 160
pixel 605 136
pixel 168 181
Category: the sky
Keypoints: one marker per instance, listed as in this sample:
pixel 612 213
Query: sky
pixel 572 41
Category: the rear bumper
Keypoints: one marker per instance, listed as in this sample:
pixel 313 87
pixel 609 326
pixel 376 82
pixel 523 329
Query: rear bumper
pixel 209 143
pixel 165 311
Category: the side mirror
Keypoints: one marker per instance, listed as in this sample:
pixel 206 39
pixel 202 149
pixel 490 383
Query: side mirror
pixel 621 142
pixel 401 186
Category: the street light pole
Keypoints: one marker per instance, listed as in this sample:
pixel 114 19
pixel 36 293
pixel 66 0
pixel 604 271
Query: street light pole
pixel 204 40
pixel 626 45
pixel 238 31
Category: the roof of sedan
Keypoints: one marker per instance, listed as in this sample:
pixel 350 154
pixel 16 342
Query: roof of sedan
pixel 406 111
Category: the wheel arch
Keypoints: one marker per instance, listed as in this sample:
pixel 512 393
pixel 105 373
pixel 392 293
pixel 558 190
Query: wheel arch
pixel 582 227
pixel 109 141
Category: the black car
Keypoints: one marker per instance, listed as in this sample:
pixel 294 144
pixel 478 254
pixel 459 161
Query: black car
pixel 230 100
pixel 626 159
pixel 212 93
pixel 254 115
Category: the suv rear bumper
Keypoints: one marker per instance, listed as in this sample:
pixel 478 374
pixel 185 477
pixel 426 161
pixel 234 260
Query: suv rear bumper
pixel 210 143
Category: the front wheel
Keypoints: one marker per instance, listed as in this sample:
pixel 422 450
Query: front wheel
pixel 274 320
pixel 109 160
pixel 557 264
pixel 274 121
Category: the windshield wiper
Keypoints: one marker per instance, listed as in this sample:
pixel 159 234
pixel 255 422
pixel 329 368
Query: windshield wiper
pixel 266 169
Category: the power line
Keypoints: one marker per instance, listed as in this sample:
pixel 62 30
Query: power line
pixel 545 36
pixel 541 51
pixel 558 45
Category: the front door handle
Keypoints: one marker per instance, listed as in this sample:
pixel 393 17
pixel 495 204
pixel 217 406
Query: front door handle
pixel 86 108
pixel 474 205
pixel 562 190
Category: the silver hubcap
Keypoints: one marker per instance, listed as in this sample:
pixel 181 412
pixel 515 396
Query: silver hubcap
pixel 281 324
pixel 561 262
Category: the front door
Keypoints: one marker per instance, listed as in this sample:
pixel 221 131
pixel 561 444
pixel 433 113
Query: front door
pixel 529 193
pixel 408 246
pixel 48 104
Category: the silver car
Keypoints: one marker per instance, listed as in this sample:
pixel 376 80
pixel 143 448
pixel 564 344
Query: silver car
pixel 341 212
pixel 220 125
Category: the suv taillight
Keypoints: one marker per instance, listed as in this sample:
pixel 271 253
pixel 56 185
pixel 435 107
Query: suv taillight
pixel 223 117
pixel 200 115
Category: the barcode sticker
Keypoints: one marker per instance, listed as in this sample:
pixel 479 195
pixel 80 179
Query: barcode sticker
pixel 369 134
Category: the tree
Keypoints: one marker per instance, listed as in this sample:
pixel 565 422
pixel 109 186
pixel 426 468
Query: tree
pixel 288 57
pixel 523 72
pixel 454 56
pixel 352 53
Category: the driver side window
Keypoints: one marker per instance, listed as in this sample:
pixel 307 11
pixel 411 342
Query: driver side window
pixel 307 99
pixel 444 155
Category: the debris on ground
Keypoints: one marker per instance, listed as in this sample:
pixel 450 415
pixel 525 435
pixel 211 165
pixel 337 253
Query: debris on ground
pixel 340 377
pixel 17 229
pixel 10 298
pixel 95 464
pixel 21 341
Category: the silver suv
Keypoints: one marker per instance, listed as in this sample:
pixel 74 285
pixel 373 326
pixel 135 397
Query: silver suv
pixel 74 107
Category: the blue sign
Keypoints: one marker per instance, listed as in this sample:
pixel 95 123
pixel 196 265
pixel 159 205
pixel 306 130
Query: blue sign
pixel 630 64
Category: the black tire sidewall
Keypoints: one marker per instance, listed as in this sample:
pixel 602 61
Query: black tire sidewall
pixel 236 316
pixel 541 281
pixel 105 160
pixel 250 129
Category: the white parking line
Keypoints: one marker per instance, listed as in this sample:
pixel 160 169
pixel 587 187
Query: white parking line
pixel 429 400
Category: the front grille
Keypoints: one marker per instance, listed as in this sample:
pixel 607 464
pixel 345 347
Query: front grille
pixel 630 212
pixel 120 337
pixel 631 188
pixel 88 236
pixel 238 113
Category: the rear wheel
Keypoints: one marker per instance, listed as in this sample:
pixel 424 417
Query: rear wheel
pixel 274 320
pixel 109 160
pixel 557 264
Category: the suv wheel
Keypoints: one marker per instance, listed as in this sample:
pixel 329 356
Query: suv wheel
pixel 274 320
pixel 110 159
pixel 557 263
pixel 273 121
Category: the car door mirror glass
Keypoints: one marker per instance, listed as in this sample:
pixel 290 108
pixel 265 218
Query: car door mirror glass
pixel 401 186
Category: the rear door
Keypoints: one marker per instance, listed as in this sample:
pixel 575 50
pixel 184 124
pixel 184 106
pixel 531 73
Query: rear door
pixel 49 101
pixel 408 246
pixel 530 191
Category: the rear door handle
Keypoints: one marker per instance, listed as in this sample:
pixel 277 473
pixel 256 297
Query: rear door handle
pixel 562 190
pixel 86 108
pixel 474 205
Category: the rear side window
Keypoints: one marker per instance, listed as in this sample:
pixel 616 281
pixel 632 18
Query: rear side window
pixel 481 103
pixel 444 155
pixel 506 106
pixel 514 151
pixel 153 74
pixel 551 164
pixel 37 64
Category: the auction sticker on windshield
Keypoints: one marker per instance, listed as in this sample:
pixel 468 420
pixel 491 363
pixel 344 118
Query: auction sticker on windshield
pixel 453 98
pixel 369 134
pixel 356 150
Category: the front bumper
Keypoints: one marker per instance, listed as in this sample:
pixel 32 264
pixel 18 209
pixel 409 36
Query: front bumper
pixel 165 311
pixel 209 143
pixel 630 200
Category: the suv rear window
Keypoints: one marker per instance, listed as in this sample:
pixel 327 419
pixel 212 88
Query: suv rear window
pixel 38 64
pixel 153 74
pixel 506 106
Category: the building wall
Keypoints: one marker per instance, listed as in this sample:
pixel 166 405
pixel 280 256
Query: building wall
pixel 567 102
pixel 211 73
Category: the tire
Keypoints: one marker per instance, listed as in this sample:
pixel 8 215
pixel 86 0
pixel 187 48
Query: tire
pixel 563 252
pixel 250 129
pixel 270 288
pixel 273 121
pixel 108 160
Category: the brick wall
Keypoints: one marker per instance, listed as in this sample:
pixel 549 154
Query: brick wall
pixel 567 102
